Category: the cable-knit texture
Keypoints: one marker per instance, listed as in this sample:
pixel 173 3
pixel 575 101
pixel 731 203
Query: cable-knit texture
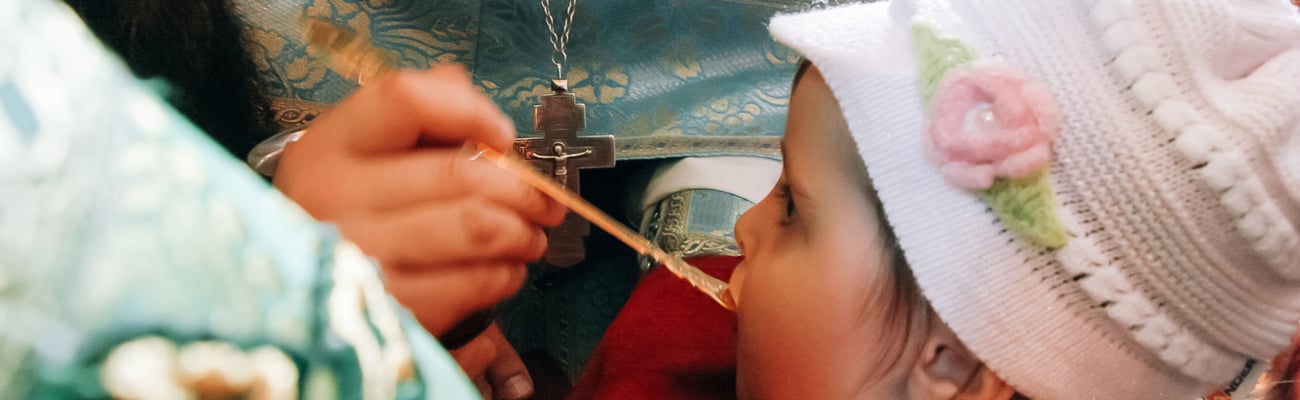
pixel 1176 177
pixel 1251 80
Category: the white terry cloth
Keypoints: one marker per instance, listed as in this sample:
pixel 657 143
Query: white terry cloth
pixel 748 177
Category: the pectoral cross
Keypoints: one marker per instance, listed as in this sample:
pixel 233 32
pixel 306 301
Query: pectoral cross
pixel 560 153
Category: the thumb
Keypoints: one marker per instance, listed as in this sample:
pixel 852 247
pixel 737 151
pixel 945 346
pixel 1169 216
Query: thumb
pixel 507 375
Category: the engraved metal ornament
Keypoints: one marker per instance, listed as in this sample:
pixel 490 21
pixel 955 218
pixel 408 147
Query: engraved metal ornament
pixel 560 153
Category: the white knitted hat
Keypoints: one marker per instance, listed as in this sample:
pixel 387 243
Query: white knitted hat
pixel 1174 131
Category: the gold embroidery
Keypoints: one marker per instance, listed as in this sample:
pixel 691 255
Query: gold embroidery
pixel 684 64
pixel 419 48
pixel 293 113
pixel 278 375
pixel 777 53
pixel 144 368
pixel 346 13
pixel 670 229
pixel 693 123
pixel 661 122
pixel 153 367
pixel 723 114
pixel 305 72
pixel 215 370
pixel 598 86
pixel 298 72
pixel 654 147
pixel 272 46
pixel 518 95
pixel 349 54
pixel 358 308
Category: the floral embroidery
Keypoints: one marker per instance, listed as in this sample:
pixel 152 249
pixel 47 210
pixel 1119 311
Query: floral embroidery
pixel 597 85
pixel 990 131
pixel 990 121
pixel 154 367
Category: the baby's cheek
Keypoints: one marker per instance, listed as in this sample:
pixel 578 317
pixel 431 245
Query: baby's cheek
pixel 735 284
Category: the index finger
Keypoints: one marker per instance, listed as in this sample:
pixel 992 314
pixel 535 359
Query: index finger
pixel 440 106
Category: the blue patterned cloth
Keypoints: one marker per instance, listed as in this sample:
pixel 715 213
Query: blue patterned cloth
pixel 668 78
pixel 136 258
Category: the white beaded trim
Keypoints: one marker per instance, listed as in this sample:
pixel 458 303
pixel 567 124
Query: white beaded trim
pixel 1222 167
pixel 1147 323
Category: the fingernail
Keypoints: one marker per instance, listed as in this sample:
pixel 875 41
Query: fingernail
pixel 517 387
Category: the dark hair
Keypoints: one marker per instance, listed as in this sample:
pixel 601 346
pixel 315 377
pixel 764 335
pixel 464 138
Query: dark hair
pixel 196 46
pixel 904 303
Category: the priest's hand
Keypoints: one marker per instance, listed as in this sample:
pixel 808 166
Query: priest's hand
pixel 494 366
pixel 387 166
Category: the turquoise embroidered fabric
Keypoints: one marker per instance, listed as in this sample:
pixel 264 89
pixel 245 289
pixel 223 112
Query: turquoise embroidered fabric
pixel 136 258
pixel 668 78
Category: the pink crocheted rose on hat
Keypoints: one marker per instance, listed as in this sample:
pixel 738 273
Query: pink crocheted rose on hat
pixel 988 121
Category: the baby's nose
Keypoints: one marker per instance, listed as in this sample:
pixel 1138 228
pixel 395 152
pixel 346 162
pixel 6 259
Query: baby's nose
pixel 743 231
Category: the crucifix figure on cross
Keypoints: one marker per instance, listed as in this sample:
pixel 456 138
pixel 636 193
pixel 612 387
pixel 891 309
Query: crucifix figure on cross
pixel 561 153
pixel 560 157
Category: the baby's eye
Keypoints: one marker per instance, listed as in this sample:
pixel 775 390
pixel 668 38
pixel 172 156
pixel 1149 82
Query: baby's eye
pixel 790 211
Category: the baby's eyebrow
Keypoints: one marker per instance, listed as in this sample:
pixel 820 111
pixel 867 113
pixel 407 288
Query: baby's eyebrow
pixel 785 160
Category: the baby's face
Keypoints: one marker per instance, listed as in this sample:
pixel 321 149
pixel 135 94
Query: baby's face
pixel 816 272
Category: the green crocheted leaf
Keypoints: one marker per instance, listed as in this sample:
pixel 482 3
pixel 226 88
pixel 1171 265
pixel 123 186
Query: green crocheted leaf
pixel 1027 207
pixel 936 55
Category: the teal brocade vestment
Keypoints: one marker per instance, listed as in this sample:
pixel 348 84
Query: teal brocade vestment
pixel 668 79
pixel 138 260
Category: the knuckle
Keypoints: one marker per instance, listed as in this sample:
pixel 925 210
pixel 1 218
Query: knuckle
pixel 327 205
pixel 517 279
pixel 367 234
pixel 506 280
pixel 474 356
pixel 451 173
pixel 537 245
pixel 529 200
pixel 453 176
pixel 512 236
pixel 402 87
pixel 482 352
pixel 470 175
pixel 530 196
pixel 556 212
pixel 477 225
pixel 497 232
pixel 452 73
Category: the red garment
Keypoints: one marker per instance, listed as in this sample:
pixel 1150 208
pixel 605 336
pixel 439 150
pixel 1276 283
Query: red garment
pixel 1284 374
pixel 669 342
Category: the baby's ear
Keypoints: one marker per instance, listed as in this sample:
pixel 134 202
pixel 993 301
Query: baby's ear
pixel 946 369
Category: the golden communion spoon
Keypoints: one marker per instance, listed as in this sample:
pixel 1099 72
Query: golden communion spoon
pixel 353 56
pixel 713 287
